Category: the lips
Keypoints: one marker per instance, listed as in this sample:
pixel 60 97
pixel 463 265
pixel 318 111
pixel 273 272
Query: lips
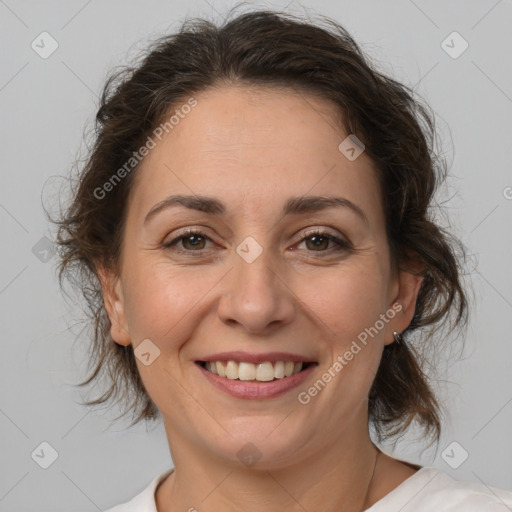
pixel 249 375
pixel 256 390
pixel 251 366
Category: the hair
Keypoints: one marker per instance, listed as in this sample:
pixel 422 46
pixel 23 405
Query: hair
pixel 271 49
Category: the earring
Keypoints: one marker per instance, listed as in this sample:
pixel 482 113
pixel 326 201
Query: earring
pixel 398 338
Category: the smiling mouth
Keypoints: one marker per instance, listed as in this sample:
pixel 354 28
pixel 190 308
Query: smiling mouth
pixel 261 372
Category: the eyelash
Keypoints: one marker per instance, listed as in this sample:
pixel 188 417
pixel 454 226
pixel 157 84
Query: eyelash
pixel 343 245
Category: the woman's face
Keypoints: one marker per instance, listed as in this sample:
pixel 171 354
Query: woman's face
pixel 256 283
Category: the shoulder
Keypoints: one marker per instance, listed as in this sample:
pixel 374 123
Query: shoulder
pixel 431 489
pixel 145 500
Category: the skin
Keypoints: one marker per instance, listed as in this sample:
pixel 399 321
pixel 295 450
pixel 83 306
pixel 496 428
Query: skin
pixel 253 149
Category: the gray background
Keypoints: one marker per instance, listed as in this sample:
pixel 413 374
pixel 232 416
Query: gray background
pixel 45 105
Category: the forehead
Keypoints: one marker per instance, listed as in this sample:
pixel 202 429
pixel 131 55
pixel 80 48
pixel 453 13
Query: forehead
pixel 255 148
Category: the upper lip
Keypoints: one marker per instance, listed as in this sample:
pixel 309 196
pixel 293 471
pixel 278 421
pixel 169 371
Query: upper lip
pixel 251 357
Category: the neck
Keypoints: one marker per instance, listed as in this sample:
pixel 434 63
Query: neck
pixel 337 477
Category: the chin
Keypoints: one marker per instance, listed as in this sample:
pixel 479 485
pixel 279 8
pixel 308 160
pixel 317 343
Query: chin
pixel 260 442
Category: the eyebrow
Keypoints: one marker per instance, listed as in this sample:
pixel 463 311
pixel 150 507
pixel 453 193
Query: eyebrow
pixel 294 205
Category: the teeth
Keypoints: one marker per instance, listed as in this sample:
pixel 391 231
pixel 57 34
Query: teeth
pixel 232 370
pixel 263 372
pixel 221 369
pixel 246 371
pixel 279 370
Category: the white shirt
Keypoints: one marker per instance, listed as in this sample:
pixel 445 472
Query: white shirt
pixel 427 490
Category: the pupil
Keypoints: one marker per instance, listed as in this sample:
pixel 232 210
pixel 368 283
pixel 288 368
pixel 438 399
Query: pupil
pixel 317 240
pixel 191 237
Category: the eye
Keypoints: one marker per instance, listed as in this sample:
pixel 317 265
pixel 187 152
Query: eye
pixel 320 241
pixel 192 240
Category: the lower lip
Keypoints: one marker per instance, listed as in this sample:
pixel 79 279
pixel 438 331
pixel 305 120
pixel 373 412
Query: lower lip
pixel 252 390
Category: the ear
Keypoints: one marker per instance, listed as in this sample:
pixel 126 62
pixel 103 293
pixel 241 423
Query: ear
pixel 113 300
pixel 406 287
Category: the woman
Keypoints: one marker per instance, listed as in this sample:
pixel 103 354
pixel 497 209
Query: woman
pixel 251 230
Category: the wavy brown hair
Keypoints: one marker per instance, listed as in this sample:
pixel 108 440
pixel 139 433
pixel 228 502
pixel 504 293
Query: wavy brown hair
pixel 273 49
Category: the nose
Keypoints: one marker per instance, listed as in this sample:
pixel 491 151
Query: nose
pixel 256 297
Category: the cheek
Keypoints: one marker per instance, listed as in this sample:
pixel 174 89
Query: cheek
pixel 348 305
pixel 348 300
pixel 161 300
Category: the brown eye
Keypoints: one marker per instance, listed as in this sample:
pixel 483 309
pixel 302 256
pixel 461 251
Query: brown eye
pixel 195 241
pixel 191 241
pixel 318 241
